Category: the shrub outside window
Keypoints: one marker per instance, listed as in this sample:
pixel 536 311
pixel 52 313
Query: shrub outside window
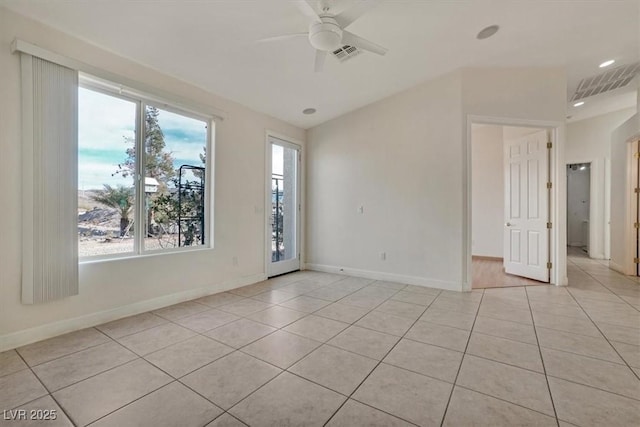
pixel 142 175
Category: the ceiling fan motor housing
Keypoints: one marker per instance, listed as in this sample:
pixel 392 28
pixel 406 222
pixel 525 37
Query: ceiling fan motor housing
pixel 325 35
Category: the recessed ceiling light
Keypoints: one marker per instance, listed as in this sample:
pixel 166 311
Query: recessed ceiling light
pixel 607 63
pixel 578 104
pixel 308 111
pixel 485 33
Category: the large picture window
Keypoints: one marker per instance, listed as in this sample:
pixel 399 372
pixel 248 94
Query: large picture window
pixel 142 175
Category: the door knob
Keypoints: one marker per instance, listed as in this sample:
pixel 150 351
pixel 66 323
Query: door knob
pixel 509 224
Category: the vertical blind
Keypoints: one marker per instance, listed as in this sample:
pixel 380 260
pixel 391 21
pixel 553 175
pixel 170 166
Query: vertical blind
pixel 50 176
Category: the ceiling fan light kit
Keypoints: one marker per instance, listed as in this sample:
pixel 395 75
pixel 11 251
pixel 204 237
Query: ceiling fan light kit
pixel 327 30
pixel 325 35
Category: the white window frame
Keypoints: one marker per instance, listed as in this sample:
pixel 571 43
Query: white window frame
pixel 142 100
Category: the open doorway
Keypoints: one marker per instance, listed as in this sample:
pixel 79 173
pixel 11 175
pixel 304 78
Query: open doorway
pixel 578 209
pixel 510 206
pixel 283 206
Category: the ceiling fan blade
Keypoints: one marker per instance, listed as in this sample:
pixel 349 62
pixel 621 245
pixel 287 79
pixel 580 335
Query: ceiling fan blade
pixel 353 40
pixel 308 10
pixel 356 11
pixel 282 37
pixel 321 55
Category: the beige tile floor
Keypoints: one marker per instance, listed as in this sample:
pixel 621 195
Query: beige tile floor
pixel 319 349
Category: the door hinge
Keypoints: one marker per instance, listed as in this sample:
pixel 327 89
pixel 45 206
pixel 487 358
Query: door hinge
pixel 549 145
pixel 549 265
pixel 549 185
pixel 636 225
pixel 549 225
pixel 636 155
pixel 636 260
pixel 636 190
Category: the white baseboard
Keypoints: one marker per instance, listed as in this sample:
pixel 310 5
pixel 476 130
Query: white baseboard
pixel 50 330
pixel 392 277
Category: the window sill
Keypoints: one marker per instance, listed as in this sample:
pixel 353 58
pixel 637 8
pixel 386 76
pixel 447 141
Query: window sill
pixel 149 254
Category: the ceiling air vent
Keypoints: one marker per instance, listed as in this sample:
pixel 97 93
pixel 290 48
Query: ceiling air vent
pixel 346 52
pixel 610 80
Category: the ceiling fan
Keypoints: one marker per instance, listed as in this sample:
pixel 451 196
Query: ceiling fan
pixel 327 30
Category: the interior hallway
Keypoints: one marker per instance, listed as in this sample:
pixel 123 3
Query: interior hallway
pixel 318 348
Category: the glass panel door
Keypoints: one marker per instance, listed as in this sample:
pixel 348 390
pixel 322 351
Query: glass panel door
pixel 283 244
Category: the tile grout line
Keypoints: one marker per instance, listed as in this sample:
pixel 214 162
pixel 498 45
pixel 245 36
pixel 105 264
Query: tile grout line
pixel 68 354
pixel 111 369
pixel 48 393
pixel 177 380
pixel 595 388
pixel 595 300
pixel 138 357
pixel 321 343
pixel 607 340
pixel 379 363
pixel 96 374
pixel 455 380
pixel 286 370
pixel 282 370
pixel 168 321
pixel 544 368
pixel 502 399
pixel 307 314
pixel 142 397
pixel 582 355
pixel 133 333
pixel 571 332
pixel 606 287
pixel 245 317
pixel 203 334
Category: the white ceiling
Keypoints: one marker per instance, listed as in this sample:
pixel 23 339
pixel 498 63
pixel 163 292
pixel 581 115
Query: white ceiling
pixel 212 44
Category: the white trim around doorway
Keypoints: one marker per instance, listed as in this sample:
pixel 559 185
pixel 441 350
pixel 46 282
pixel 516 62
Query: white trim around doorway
pixel 558 255
pixel 596 169
pixel 298 145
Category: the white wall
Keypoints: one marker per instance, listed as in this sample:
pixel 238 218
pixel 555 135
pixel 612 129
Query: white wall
pixel 487 153
pixel 578 196
pixel 401 160
pixel 589 141
pixel 114 288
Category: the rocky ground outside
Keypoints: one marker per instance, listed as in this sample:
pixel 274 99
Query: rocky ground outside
pixel 99 230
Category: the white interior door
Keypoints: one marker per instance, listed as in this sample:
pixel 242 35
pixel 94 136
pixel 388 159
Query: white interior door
pixel 283 211
pixel 526 237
